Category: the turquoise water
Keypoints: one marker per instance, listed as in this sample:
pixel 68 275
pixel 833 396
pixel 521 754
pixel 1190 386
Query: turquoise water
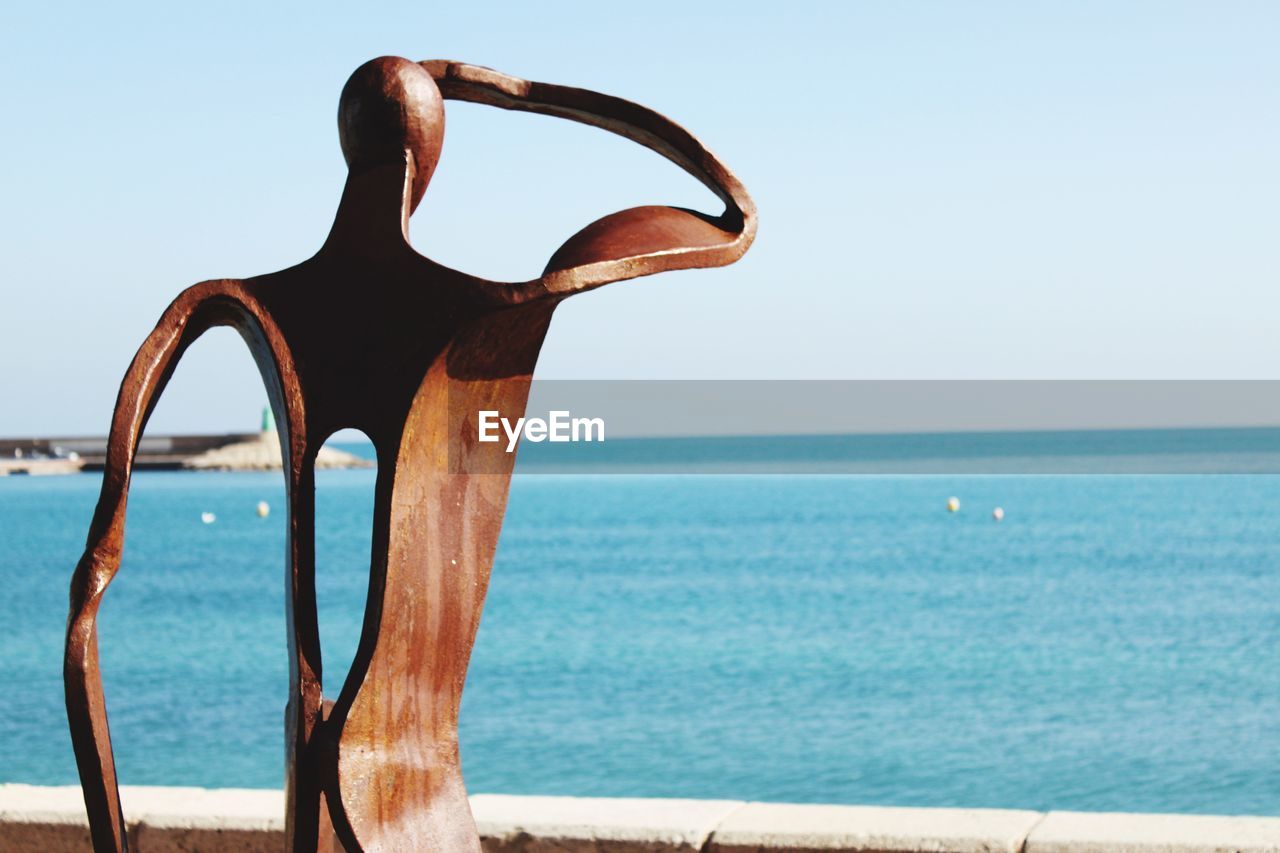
pixel 1110 646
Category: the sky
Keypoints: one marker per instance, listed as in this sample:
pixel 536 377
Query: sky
pixel 947 190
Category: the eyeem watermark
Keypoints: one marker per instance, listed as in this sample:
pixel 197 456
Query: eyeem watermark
pixel 559 426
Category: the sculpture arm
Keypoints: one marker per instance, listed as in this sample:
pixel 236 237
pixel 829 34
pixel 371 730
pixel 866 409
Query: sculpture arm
pixel 634 242
pixel 186 319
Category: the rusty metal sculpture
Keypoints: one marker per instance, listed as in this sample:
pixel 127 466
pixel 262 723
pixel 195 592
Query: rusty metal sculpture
pixel 370 334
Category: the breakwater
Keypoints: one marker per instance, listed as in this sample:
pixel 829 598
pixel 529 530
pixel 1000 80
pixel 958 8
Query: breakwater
pixel 157 453
pixel 257 451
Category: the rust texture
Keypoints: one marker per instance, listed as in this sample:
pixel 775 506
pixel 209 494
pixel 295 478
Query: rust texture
pixel 372 335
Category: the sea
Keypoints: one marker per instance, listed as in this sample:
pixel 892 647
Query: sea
pixel 760 633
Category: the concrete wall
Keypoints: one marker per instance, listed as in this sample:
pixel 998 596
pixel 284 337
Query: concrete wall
pixel 51 820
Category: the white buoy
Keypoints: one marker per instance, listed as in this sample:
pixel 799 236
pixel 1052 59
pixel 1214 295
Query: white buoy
pixel 264 509
pixel 998 513
pixel 208 517
pixel 953 504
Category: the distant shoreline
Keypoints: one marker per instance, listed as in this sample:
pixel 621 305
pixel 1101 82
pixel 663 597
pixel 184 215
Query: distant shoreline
pixel 255 451
pixel 1162 450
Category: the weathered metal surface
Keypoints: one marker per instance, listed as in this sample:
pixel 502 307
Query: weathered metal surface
pixel 372 335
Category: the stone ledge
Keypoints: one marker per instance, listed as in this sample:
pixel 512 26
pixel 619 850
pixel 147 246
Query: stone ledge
pixel 513 824
pixel 871 829
pixel 38 819
pixel 52 820
pixel 1093 832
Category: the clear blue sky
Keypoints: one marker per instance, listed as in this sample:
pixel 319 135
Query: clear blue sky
pixel 947 189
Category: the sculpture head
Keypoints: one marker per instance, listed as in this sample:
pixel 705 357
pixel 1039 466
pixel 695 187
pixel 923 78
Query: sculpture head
pixel 389 106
